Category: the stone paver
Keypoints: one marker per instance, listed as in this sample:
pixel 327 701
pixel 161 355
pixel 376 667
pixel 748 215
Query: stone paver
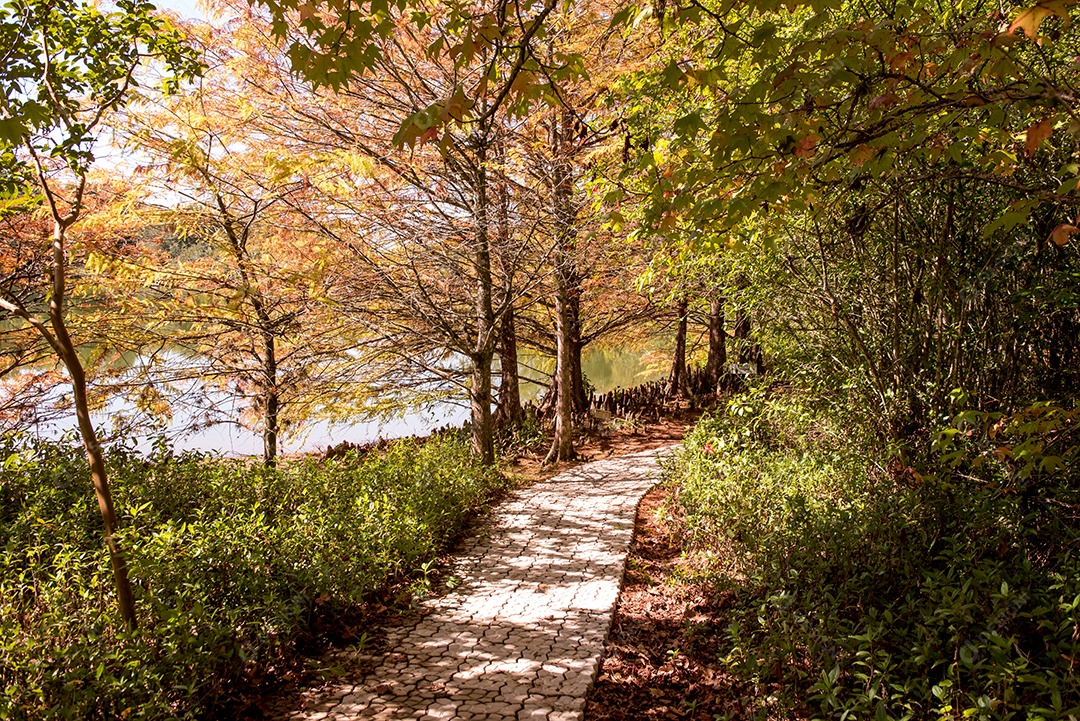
pixel 521 637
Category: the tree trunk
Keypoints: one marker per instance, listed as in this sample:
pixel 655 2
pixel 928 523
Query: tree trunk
pixel 749 352
pixel 677 380
pixel 742 333
pixel 483 438
pixel 562 445
pixel 271 398
pixel 577 375
pixel 714 367
pixel 270 425
pixel 70 357
pixel 508 412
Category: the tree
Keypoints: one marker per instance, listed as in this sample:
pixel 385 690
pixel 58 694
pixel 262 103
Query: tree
pixel 717 358
pixel 561 149
pixel 67 67
pixel 892 164
pixel 244 306
pixel 441 239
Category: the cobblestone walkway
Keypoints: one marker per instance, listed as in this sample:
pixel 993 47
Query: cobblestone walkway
pixel 522 635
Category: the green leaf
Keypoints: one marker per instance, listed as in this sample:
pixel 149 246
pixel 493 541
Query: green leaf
pixel 672 75
pixel 690 125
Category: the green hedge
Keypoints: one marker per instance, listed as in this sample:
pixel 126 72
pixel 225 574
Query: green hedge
pixel 874 587
pixel 229 561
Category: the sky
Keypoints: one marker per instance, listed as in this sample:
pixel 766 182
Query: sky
pixel 186 8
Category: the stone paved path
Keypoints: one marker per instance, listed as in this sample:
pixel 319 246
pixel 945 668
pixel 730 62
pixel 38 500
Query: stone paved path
pixel 522 636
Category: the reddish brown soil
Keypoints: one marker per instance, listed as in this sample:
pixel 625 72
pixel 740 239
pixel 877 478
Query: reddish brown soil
pixel 661 659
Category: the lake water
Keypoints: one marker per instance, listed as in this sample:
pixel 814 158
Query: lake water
pixel 605 368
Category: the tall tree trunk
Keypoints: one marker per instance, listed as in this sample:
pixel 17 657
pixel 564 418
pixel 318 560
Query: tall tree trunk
pixel 742 333
pixel 270 424
pixel 749 352
pixel 483 436
pixel 714 367
pixel 577 375
pixel 677 380
pixel 238 238
pixel 508 412
pixel 70 357
pixel 562 445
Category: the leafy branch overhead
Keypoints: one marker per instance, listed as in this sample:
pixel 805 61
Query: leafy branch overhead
pixel 497 51
pixel 67 65
pixel 765 109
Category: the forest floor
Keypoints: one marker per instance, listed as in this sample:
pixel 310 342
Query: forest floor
pixel 661 659
pixel 607 442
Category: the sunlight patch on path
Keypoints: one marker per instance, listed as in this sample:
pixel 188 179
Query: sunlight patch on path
pixel 522 636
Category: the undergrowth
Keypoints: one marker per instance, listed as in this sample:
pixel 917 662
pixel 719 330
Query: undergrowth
pixel 230 562
pixel 936 584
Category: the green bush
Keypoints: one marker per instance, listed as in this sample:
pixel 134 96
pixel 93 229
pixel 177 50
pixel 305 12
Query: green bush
pixel 864 589
pixel 230 561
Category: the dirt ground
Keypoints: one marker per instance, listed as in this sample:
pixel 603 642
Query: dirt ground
pixel 607 441
pixel 661 659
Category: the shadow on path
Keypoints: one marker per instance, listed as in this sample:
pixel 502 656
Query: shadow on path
pixel 522 635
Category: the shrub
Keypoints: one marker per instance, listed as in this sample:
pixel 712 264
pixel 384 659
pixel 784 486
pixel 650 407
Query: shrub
pixel 230 562
pixel 950 591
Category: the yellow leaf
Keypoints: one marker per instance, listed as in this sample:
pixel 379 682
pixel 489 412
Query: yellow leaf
pixel 1031 18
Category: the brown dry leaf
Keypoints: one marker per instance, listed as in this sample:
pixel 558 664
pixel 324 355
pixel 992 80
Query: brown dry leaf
pixel 1037 133
pixel 1060 235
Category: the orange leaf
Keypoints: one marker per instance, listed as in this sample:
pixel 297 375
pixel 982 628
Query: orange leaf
pixel 1037 133
pixel 1060 234
pixel 861 154
pixel 898 63
pixel 807 146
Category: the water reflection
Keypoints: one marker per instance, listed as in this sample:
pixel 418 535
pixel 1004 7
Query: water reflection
pixel 605 368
